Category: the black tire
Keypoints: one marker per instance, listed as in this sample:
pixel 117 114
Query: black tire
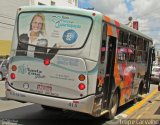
pixel 141 89
pixel 113 106
pixel 139 93
pixel 50 108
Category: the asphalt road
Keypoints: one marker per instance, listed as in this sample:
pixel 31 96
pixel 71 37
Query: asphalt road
pixel 33 114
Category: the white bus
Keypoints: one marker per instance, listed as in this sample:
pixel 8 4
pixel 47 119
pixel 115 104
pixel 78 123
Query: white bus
pixel 75 59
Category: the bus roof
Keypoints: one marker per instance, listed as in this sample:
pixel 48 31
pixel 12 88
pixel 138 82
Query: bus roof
pixel 125 27
pixel 80 11
pixel 73 10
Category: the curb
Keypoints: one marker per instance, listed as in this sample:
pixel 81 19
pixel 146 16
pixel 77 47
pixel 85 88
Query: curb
pixel 140 104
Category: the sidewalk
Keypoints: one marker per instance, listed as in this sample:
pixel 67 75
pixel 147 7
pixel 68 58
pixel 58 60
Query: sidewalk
pixel 145 112
pixel 150 110
pixel 8 104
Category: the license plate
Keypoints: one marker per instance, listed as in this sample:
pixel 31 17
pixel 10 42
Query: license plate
pixel 45 89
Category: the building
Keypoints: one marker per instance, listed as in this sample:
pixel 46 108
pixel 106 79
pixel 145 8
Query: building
pixel 7 19
pixel 8 10
pixel 70 3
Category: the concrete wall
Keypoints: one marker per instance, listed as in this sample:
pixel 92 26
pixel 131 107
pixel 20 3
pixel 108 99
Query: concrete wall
pixel 8 10
pixel 37 2
pixel 70 3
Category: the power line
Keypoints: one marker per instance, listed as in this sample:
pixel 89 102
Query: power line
pixel 155 19
pixel 5 27
pixel 7 24
pixel 155 35
pixel 147 13
pixel 150 28
pixel 154 30
pixel 7 17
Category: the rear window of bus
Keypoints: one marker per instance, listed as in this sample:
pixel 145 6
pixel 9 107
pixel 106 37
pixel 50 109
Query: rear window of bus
pixel 53 30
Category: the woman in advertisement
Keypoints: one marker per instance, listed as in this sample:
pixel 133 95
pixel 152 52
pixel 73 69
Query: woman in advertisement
pixel 34 41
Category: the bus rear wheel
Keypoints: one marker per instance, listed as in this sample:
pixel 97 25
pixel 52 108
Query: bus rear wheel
pixel 50 108
pixel 113 106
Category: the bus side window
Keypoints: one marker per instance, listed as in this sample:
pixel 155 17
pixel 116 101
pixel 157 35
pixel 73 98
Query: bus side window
pixel 123 46
pixel 131 57
pixel 140 44
pixel 125 39
pixel 146 45
pixel 122 56
pixel 120 39
pixel 103 47
pixel 132 41
pixel 132 47
pixel 142 50
pixel 146 48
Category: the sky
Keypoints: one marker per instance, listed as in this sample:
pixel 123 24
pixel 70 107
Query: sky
pixel 146 12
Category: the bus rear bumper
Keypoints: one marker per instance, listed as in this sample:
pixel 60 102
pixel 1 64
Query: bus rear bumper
pixel 84 105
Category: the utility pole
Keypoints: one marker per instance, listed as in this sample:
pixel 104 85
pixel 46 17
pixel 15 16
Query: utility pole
pixel 132 24
pixel 129 24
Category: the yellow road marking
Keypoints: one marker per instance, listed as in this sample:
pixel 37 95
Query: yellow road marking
pixel 138 105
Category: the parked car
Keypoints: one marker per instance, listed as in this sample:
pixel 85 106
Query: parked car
pixel 155 77
pixel 3 69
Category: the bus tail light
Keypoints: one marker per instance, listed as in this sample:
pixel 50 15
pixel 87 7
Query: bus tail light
pixel 81 77
pixel 13 76
pixel 14 68
pixel 46 61
pixel 93 14
pixel 81 86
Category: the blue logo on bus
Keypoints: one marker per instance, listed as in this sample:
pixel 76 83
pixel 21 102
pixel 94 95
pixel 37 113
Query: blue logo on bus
pixel 22 69
pixel 70 36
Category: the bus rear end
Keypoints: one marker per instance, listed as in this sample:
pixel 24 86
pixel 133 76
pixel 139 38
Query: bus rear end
pixel 53 71
pixel 49 83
